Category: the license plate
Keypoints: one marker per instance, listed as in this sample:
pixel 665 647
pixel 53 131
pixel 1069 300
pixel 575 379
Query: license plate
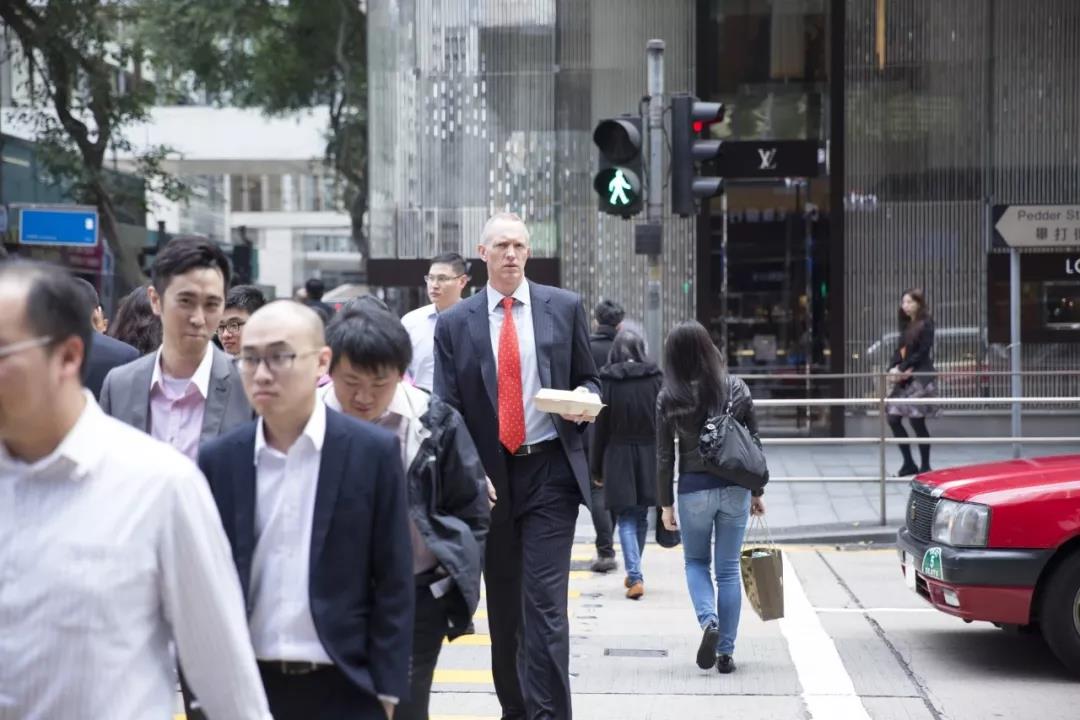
pixel 909 571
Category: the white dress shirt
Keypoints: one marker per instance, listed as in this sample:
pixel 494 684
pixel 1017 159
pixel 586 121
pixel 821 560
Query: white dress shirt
pixel 538 425
pixel 282 627
pixel 110 548
pixel 420 324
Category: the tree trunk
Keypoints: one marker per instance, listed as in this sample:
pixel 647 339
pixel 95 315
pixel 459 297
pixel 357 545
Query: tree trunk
pixel 126 269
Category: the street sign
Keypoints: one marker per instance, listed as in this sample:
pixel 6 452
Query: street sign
pixel 1037 226
pixel 61 225
pixel 770 159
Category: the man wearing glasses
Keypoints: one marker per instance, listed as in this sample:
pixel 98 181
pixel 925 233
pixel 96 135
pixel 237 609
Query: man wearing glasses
pixel 110 544
pixel 314 504
pixel 446 279
pixel 240 304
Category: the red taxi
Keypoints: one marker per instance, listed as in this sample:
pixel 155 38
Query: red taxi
pixel 1000 543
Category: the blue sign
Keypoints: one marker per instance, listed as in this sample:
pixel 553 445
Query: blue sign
pixel 68 226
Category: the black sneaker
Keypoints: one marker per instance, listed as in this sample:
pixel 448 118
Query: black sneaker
pixel 725 664
pixel 604 565
pixel 706 652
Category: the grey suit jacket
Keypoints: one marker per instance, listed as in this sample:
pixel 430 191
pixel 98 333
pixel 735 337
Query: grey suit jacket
pixel 126 395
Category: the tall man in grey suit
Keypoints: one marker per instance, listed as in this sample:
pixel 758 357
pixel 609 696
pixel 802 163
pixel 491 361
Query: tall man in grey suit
pixel 188 391
pixel 493 353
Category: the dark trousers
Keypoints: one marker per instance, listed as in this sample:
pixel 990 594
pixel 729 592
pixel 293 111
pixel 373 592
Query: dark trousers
pixel 527 579
pixel 323 695
pixel 602 523
pixel 429 631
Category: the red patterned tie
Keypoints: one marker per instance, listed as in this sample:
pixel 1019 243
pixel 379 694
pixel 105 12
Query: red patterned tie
pixel 511 408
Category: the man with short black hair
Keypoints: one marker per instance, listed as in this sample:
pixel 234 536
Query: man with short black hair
pixel 103 353
pixel 112 538
pixel 445 280
pixel 448 502
pixel 240 304
pixel 315 289
pixel 188 390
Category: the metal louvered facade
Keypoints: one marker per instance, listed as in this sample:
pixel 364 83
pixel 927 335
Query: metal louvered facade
pixel 949 108
pixel 480 106
pixel 953 107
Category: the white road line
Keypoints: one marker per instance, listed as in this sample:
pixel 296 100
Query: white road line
pixel 870 611
pixel 827 689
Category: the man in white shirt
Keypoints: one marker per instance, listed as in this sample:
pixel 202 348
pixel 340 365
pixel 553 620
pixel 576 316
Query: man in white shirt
pixel 314 504
pixel 110 545
pixel 446 280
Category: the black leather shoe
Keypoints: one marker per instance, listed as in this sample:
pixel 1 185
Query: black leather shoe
pixel 925 469
pixel 725 664
pixel 706 652
pixel 907 469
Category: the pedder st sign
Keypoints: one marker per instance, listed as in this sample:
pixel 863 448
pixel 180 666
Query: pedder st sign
pixel 1037 226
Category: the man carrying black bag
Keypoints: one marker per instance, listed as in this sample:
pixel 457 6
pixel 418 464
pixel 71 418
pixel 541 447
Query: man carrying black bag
pixel 713 509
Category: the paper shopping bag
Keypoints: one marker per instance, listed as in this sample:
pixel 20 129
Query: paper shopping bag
pixel 763 579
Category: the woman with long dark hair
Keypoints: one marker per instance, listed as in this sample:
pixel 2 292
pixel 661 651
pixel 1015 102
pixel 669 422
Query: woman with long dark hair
pixel 713 511
pixel 623 448
pixel 911 371
pixel 135 322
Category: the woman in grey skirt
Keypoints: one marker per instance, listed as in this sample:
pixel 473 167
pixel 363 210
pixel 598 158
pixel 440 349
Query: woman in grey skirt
pixel 911 372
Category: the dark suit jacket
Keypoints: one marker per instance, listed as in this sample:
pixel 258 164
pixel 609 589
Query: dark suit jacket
pixel 103 355
pixel 360 582
pixel 126 395
pixel 465 375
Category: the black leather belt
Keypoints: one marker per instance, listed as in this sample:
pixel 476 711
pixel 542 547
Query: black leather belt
pixel 537 448
pixel 289 667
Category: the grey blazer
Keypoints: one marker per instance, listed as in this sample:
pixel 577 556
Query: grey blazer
pixel 126 395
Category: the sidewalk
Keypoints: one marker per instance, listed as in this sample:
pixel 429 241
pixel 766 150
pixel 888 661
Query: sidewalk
pixel 809 511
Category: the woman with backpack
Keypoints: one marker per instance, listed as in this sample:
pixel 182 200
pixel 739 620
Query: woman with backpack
pixel 624 448
pixel 713 511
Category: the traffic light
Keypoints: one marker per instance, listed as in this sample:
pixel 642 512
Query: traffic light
pixel 689 117
pixel 618 182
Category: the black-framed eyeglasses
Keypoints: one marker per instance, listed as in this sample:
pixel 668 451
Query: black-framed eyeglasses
pixel 23 345
pixel 441 279
pixel 232 326
pixel 276 362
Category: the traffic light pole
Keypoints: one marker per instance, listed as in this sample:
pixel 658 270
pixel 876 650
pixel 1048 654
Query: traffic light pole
pixel 654 212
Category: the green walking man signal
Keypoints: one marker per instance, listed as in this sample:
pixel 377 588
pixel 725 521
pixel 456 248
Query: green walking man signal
pixel 618 179
pixel 618 187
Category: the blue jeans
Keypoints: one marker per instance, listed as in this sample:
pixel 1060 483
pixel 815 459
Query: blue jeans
pixel 723 511
pixel 633 525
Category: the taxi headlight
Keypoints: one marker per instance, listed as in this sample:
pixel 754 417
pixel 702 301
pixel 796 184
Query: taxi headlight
pixel 961 524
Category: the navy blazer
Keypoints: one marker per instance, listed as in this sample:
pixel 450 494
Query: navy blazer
pixel 360 583
pixel 104 354
pixel 465 375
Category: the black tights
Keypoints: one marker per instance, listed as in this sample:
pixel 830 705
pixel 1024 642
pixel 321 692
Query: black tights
pixel 918 424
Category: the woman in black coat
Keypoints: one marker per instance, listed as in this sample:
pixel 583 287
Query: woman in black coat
pixel 912 373
pixel 624 448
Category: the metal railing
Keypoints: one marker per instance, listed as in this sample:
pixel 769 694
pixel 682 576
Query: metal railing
pixel 883 440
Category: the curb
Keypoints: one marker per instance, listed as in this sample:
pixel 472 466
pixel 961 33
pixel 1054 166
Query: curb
pixel 839 534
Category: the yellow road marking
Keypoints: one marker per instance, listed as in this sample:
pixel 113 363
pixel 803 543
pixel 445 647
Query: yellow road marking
pixel 464 717
pixel 580 574
pixel 477 639
pixel 463 677
pixel 480 615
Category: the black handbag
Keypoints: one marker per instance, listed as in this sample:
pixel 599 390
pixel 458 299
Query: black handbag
pixel 664 537
pixel 730 452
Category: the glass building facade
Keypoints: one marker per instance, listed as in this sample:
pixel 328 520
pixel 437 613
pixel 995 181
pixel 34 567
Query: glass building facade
pixel 931 113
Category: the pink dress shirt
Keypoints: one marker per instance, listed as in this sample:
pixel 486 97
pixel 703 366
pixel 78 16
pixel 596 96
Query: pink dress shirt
pixel 177 406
